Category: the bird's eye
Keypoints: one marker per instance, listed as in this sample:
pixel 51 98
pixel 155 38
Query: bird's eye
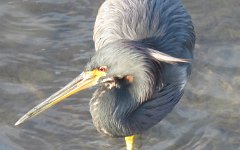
pixel 102 68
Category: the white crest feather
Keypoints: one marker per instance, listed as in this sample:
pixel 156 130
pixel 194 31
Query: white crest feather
pixel 166 58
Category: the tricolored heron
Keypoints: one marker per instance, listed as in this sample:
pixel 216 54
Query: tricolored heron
pixel 141 65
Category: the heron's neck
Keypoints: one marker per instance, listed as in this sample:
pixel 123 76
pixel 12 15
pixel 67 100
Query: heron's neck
pixel 111 109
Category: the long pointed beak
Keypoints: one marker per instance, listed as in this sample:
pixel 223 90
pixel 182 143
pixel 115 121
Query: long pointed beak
pixel 83 81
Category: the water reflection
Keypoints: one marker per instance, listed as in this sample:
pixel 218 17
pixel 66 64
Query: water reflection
pixel 44 44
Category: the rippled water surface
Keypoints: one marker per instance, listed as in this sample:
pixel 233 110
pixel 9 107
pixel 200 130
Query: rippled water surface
pixel 45 43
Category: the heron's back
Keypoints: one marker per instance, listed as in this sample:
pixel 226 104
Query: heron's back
pixel 162 24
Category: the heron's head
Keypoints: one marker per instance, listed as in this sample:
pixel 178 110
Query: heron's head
pixel 126 62
pixel 120 63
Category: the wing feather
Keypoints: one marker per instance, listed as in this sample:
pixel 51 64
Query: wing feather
pixel 156 108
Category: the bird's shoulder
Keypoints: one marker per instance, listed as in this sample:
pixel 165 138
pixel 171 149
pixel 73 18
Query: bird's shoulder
pixel 163 20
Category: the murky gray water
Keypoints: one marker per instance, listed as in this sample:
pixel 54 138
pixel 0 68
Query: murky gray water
pixel 45 43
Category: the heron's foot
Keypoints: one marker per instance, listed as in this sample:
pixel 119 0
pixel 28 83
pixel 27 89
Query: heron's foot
pixel 133 142
pixel 130 142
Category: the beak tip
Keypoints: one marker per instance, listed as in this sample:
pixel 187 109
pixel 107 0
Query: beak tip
pixel 20 121
pixel 17 123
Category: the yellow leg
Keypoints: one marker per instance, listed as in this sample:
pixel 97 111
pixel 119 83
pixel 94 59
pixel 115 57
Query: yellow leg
pixel 130 142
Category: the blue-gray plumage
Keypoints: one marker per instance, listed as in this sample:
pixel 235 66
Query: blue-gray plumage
pixel 142 61
pixel 124 32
